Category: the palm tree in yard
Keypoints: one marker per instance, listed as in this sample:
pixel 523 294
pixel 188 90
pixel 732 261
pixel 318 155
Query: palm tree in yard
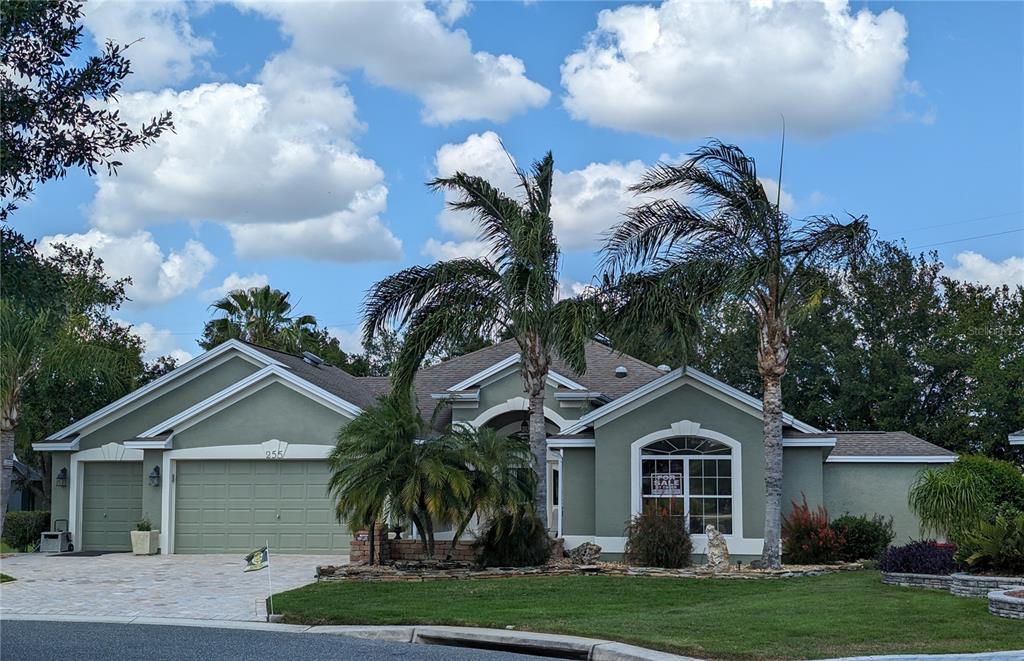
pixel 260 315
pixel 511 292
pixel 730 242
pixel 39 342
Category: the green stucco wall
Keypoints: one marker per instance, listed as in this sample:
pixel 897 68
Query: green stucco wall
pixel 151 496
pixel 873 488
pixel 59 501
pixel 165 403
pixel 612 457
pixel 507 387
pixel 578 491
pixel 276 411
pixel 802 475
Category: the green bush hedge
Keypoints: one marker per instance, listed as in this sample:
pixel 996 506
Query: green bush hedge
pixel 864 537
pixel 514 541
pixel 996 546
pixel 22 529
pixel 655 539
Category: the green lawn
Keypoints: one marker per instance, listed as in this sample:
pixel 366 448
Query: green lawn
pixel 4 578
pixel 849 613
pixel 6 549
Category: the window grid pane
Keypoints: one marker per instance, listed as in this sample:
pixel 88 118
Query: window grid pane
pixel 706 483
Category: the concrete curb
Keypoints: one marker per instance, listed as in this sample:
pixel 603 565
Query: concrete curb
pixel 526 642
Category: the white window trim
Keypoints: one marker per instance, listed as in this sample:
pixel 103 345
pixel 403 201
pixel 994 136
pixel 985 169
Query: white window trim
pixel 76 480
pixel 883 459
pixel 515 404
pixel 690 428
pixel 272 450
pixel 193 368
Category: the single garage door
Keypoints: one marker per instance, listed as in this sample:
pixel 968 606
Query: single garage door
pixel 236 506
pixel 111 505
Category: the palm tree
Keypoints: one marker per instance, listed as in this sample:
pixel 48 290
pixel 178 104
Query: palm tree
pixel 35 342
pixel 733 244
pixel 512 292
pixel 383 471
pixel 260 315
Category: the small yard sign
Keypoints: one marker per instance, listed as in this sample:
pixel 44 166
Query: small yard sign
pixel 666 484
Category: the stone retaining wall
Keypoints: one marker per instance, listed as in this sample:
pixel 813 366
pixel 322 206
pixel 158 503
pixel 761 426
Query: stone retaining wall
pixel 930 581
pixel 969 585
pixel 440 571
pixel 405 550
pixel 1002 604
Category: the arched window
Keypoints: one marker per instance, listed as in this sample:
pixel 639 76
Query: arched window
pixel 690 478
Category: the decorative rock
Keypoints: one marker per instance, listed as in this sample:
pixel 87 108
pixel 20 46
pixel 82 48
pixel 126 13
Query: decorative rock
pixel 586 553
pixel 718 550
pixel 558 548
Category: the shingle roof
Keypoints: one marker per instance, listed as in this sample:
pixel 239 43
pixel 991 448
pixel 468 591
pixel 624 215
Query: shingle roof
pixel 878 444
pixel 362 392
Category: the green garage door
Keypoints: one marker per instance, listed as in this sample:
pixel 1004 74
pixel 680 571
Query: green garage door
pixel 236 506
pixel 111 506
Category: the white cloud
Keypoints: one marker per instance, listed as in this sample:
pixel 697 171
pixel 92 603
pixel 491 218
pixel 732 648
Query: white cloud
pixel 771 188
pixel 407 46
pixel 585 203
pixel 156 277
pixel 690 69
pixel 271 160
pixel 351 341
pixel 163 48
pixel 235 281
pixel 974 267
pixel 158 342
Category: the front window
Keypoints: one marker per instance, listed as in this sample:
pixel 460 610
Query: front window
pixel 690 478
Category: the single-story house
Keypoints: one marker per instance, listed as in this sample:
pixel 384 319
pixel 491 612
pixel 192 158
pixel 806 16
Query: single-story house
pixel 1017 438
pixel 227 451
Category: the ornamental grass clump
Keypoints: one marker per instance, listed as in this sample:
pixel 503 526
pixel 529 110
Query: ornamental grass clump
pixel 920 557
pixel 654 538
pixel 807 537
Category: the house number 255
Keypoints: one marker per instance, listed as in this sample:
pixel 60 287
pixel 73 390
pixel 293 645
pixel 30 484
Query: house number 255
pixel 275 454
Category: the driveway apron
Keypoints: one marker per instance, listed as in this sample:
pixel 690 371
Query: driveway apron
pixel 208 587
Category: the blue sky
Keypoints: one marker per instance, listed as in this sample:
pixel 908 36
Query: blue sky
pixel 305 133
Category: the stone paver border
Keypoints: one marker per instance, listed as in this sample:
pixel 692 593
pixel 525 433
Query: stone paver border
pixel 1003 604
pixel 978 585
pixel 929 581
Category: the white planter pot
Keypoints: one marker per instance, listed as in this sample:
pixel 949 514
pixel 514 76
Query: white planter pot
pixel 145 542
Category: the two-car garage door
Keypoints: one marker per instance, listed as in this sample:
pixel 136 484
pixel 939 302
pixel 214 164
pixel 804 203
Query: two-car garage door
pixel 236 506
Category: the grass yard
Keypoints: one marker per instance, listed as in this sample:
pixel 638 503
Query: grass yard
pixel 843 614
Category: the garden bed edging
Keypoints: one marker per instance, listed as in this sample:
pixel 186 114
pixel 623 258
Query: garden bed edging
pixel 927 581
pixel 1004 603
pixel 972 585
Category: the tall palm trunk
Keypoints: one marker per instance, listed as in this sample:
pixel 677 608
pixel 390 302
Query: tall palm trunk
pixel 772 358
pixel 535 367
pixel 7 460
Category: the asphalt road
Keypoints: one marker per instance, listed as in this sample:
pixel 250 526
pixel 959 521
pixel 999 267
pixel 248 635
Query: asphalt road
pixel 86 641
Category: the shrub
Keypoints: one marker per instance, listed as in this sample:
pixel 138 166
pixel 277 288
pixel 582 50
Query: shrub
pixel 953 500
pixel 996 546
pixel 511 540
pixel 920 557
pixel 144 525
pixel 865 537
pixel 807 537
pixel 22 529
pixel 656 539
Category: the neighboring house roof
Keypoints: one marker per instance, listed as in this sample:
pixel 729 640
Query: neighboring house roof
pixel 1017 438
pixel 887 446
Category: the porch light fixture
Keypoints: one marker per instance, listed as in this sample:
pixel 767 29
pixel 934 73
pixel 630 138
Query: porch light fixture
pixel 62 477
pixel 154 477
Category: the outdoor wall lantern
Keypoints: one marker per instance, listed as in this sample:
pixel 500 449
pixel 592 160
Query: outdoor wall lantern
pixel 154 477
pixel 62 477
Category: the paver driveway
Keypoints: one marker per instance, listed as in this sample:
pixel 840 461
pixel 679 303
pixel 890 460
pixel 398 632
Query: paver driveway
pixel 209 587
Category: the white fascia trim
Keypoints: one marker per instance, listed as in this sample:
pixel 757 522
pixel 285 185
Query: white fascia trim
pixel 514 404
pixel 562 443
pixel 482 375
pixel 52 447
pixel 808 442
pixel 193 414
pixel 162 444
pixel 174 374
pixel 881 459
pixel 1016 439
pixel 471 396
pixel 565 381
pixel 577 396
pixel 674 375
